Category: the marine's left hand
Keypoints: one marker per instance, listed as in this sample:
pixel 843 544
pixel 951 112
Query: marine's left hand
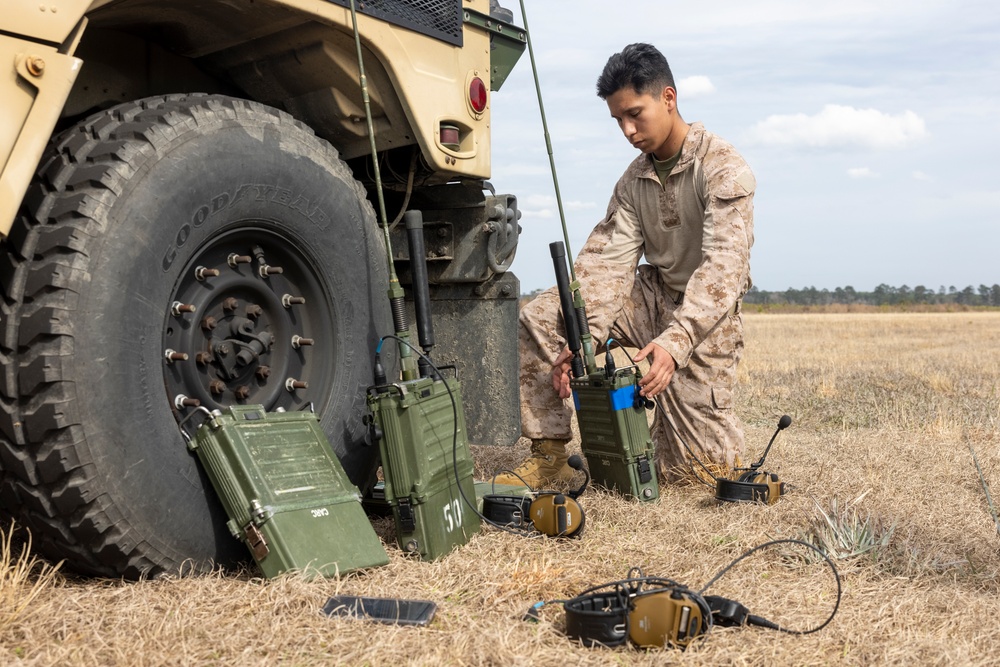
pixel 661 369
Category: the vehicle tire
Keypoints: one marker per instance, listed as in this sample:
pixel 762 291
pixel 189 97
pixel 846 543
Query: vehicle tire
pixel 131 214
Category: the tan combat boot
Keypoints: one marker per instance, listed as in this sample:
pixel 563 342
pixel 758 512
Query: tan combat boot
pixel 545 466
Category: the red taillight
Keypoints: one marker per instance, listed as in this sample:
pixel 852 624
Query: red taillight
pixel 477 95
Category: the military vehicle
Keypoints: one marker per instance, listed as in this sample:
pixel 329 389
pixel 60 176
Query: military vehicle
pixel 187 219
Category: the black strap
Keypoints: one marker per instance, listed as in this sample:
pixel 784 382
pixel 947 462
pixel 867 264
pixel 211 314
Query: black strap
pixel 737 490
pixel 507 510
pixel 597 619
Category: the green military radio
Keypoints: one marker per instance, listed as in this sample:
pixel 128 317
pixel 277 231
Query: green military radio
pixel 614 432
pixel 285 493
pixel 420 428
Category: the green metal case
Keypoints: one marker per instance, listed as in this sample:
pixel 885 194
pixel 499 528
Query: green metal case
pixel 426 464
pixel 285 492
pixel 614 433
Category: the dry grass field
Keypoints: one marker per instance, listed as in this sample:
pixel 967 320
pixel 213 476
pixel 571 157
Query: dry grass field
pixel 885 408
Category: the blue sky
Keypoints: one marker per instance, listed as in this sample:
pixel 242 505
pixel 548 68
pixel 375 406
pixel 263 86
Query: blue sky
pixel 873 129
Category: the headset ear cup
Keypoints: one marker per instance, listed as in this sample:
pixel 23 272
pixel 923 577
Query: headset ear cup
pixel 774 488
pixel 555 518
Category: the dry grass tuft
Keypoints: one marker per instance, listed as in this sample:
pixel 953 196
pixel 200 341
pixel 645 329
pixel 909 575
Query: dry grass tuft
pixel 23 578
pixel 885 408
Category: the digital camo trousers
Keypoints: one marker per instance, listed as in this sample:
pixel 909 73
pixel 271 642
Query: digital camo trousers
pixel 697 404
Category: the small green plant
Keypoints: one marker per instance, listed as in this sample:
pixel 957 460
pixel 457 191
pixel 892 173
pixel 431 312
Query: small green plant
pixel 842 532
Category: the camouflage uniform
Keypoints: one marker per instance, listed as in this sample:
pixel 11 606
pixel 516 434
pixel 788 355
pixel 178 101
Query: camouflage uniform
pixel 695 233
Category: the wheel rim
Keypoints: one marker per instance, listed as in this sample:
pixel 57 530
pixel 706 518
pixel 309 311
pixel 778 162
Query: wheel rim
pixel 245 323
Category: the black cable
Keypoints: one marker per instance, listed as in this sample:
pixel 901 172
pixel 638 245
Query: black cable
pixel 454 448
pixel 758 620
pixel 409 189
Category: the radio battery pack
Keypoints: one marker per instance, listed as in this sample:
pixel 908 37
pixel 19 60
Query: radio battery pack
pixel 426 464
pixel 614 433
pixel 286 494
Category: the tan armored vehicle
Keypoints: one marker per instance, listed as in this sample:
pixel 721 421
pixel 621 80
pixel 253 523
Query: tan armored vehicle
pixel 185 219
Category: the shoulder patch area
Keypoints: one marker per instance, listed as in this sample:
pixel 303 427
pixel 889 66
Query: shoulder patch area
pixel 746 181
pixel 734 184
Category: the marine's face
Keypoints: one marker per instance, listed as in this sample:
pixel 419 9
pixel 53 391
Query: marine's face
pixel 645 119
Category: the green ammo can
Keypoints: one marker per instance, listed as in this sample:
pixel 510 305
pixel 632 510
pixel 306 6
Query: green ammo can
pixel 286 494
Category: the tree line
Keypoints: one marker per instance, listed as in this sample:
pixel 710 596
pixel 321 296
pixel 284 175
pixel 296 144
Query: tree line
pixel 882 295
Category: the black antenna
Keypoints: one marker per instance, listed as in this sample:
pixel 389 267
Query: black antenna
pixel 558 252
pixel 421 292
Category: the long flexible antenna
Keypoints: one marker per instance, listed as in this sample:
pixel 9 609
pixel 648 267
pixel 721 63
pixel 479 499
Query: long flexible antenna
pixel 397 299
pixel 586 340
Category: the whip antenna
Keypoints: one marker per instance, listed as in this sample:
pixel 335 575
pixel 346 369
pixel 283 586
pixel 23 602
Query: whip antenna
pixel 579 306
pixel 397 300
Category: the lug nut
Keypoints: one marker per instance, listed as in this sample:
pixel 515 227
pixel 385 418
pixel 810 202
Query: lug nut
pixel 242 392
pixel 208 323
pixel 181 401
pixel 254 311
pixel 176 308
pixel 230 304
pixel 268 270
pixel 235 260
pixel 216 387
pixel 299 341
pixel 222 350
pixel 203 358
pixel 201 273
pixel 263 372
pixel 172 355
pixel 291 384
pixel 287 300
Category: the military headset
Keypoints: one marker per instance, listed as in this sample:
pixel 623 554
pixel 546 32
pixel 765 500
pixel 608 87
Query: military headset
pixel 651 612
pixel 754 484
pixel 552 513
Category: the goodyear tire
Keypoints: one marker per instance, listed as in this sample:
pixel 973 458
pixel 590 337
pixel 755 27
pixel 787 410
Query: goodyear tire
pixel 181 246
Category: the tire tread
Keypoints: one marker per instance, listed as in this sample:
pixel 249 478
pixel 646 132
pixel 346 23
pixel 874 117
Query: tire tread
pixel 48 483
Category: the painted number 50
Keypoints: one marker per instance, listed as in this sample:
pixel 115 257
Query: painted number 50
pixel 453 515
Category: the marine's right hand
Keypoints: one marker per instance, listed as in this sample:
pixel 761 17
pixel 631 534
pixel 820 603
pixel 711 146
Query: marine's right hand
pixel 560 373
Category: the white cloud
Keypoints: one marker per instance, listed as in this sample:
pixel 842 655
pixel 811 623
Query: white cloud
pixel 920 176
pixel 540 214
pixel 547 203
pixel 861 172
pixel 536 201
pixel 695 86
pixel 840 126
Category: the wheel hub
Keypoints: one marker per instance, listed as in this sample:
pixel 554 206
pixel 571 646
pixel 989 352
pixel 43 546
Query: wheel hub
pixel 239 329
